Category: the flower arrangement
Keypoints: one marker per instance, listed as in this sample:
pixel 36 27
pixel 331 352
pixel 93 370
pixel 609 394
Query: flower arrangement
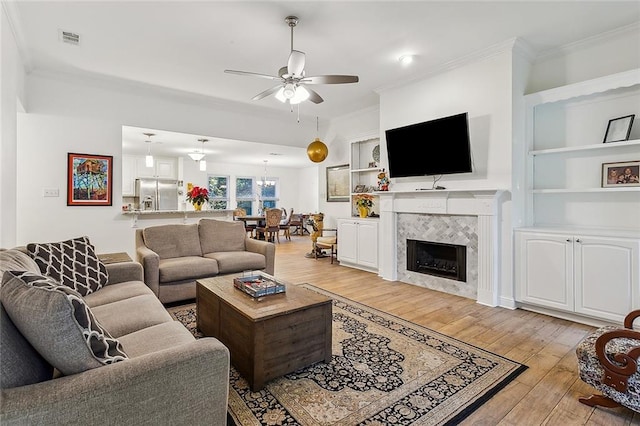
pixel 198 195
pixel 364 200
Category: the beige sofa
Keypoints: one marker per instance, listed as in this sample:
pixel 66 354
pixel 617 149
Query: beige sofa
pixel 169 377
pixel 175 256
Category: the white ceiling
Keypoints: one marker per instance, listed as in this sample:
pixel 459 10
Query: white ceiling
pixel 186 46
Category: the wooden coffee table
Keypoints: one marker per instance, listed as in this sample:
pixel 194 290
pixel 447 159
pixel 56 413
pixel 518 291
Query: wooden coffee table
pixel 267 337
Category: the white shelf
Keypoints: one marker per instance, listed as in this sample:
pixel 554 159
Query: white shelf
pixel 584 190
pixel 610 145
pixel 370 169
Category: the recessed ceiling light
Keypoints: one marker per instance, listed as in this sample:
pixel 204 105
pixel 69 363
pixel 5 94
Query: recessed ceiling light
pixel 406 59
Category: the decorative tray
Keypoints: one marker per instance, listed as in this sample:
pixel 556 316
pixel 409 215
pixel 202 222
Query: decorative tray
pixel 259 285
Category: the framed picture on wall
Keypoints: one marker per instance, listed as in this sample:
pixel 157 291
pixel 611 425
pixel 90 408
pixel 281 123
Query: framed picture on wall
pixel 619 129
pixel 338 183
pixel 621 174
pixel 89 180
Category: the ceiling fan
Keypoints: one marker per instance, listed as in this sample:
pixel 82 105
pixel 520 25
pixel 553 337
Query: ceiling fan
pixel 292 79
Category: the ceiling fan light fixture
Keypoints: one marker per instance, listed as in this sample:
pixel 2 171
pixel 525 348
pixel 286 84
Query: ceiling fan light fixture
pixel 280 95
pixel 301 95
pixel 289 91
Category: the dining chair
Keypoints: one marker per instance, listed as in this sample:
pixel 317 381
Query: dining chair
pixel 285 224
pixel 327 242
pixel 271 227
pixel 249 228
pixel 297 221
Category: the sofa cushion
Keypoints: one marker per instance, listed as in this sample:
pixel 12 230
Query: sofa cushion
pixel 72 263
pixel 133 314
pixel 15 260
pixel 21 363
pixel 58 324
pixel 170 241
pixel 221 235
pixel 238 261
pixel 115 292
pixel 155 338
pixel 186 268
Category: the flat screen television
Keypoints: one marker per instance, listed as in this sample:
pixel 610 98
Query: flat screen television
pixel 435 147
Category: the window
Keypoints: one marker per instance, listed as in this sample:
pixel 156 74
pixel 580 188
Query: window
pixel 268 192
pixel 244 193
pixel 218 192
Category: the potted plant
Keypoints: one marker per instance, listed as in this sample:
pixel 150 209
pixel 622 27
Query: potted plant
pixel 364 202
pixel 198 196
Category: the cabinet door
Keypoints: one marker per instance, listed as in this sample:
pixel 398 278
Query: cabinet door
pixel 142 171
pixel 128 176
pixel 368 244
pixel 347 241
pixel 166 168
pixel 544 270
pixel 606 273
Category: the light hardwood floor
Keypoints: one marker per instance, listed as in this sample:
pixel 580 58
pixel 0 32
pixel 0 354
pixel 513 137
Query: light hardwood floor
pixel 545 394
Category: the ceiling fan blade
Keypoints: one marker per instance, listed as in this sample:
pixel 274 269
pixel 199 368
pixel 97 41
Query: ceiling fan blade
pixel 267 92
pixel 314 97
pixel 295 65
pixel 330 79
pixel 253 74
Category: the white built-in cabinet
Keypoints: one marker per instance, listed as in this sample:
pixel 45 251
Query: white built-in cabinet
pixel 358 243
pixel 134 167
pixel 589 275
pixel 576 248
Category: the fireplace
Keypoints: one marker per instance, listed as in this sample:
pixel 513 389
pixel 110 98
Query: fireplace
pixel 438 259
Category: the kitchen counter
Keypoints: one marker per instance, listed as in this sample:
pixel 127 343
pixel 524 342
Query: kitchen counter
pixel 168 214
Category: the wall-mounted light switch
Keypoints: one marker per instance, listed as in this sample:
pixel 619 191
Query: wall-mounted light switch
pixel 51 192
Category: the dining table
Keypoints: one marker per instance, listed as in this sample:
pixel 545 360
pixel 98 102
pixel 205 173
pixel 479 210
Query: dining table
pixel 260 222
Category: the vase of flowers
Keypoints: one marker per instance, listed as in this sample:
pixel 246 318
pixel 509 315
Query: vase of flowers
pixel 198 196
pixel 364 202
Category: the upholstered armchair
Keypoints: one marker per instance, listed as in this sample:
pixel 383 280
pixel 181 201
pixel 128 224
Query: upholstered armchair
pixel 608 361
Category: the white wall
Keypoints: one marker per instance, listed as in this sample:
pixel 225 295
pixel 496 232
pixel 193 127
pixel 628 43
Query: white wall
pixel 11 100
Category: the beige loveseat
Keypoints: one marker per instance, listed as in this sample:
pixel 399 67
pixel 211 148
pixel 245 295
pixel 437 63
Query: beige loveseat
pixel 175 256
pixel 167 376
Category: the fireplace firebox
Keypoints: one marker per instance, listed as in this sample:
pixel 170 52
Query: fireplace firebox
pixel 439 259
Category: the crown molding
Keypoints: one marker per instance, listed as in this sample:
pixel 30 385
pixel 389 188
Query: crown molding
pixel 587 42
pixel 13 16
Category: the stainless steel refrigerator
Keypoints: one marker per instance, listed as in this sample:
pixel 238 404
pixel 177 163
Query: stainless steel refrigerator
pixel 157 194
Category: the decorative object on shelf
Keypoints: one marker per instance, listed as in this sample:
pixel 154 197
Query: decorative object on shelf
pixel 364 202
pixel 317 151
pixel 383 181
pixel 621 174
pixel 619 129
pixel 89 179
pixel 376 153
pixel 360 188
pixel 197 196
pixel 338 183
pixel 373 165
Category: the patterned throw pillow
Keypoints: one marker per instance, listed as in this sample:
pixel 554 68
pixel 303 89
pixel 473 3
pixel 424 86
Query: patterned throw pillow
pixel 57 323
pixel 73 263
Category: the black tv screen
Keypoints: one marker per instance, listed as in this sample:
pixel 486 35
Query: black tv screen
pixel 435 147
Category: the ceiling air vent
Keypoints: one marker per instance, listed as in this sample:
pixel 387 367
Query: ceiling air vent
pixel 69 37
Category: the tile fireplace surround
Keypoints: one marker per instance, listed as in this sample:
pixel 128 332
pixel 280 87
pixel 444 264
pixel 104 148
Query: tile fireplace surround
pixel 467 217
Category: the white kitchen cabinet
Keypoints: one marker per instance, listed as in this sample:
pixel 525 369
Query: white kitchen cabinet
pixel 358 243
pixel 591 275
pixel 162 168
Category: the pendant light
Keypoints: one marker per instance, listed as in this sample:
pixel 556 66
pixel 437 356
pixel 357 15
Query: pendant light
pixel 148 160
pixel 317 150
pixel 201 156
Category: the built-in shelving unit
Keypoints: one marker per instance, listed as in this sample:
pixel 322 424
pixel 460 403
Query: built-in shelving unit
pixel 577 253
pixel 364 166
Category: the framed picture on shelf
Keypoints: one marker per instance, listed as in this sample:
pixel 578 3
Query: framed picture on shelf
pixel 360 188
pixel 619 129
pixel 89 179
pixel 621 174
pixel 338 183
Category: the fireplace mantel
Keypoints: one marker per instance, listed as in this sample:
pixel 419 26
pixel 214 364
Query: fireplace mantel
pixel 483 203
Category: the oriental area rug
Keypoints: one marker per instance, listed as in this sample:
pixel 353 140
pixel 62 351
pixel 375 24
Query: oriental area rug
pixel 384 371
